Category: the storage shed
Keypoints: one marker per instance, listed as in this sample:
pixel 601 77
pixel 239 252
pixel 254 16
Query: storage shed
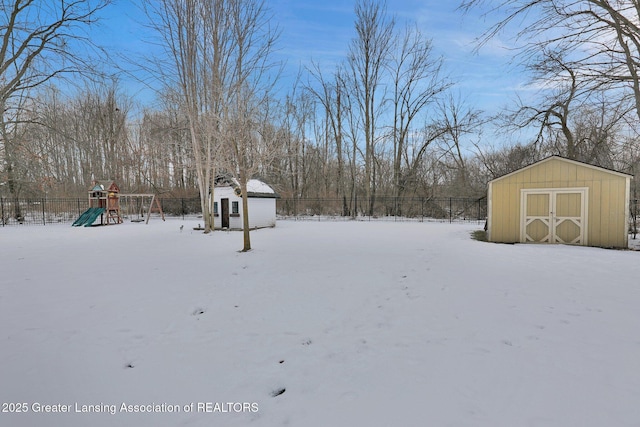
pixel 227 204
pixel 558 200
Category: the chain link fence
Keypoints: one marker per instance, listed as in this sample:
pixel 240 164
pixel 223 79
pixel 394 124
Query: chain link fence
pixel 54 211
pixel 67 210
pixel 391 208
pixel 634 217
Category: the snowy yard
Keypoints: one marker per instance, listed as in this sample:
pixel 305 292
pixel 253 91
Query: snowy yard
pixel 322 324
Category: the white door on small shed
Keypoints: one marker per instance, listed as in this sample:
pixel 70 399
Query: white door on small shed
pixel 554 215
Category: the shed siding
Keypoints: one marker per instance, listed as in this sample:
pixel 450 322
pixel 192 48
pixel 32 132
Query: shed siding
pixel 607 200
pixel 262 211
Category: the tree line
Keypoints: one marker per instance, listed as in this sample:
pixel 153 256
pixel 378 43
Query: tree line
pixel 386 121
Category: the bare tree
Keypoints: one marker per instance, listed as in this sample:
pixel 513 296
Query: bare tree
pixel 164 148
pixel 65 142
pixel 216 53
pixel 559 115
pixel 417 83
pixel 298 110
pixel 504 160
pixel 251 148
pixel 461 125
pixel 334 101
pixel 73 140
pixel 195 35
pixel 38 42
pixel 601 38
pixel 247 92
pixel 368 56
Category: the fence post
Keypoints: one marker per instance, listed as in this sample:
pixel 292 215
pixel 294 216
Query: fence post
pixel 450 211
pixel 182 203
pixel 2 205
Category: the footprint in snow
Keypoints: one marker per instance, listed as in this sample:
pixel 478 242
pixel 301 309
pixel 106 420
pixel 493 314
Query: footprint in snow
pixel 278 392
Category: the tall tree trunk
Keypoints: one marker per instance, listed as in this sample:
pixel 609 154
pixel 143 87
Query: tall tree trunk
pixel 245 214
pixel 7 144
pixel 13 190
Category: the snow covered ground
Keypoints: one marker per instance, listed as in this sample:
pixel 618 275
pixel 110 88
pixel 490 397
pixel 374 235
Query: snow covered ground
pixel 322 324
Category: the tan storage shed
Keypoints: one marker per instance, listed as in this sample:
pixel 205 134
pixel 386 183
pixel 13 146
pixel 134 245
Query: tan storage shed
pixel 558 200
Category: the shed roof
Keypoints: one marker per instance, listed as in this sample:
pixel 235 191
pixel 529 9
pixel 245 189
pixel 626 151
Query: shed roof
pixel 564 159
pixel 255 187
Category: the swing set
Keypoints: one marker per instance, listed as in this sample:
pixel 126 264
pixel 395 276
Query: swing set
pixel 107 203
pixel 136 206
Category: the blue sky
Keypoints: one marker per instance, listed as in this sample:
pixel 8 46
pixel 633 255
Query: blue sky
pixel 322 30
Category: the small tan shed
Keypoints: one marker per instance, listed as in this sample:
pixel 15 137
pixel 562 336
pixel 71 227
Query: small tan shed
pixel 558 200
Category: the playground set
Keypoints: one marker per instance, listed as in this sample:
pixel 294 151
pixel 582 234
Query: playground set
pixel 104 202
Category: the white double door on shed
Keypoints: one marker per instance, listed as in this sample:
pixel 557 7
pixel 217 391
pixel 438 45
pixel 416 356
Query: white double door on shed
pixel 556 215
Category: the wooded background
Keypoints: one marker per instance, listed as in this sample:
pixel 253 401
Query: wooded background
pixel 387 123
